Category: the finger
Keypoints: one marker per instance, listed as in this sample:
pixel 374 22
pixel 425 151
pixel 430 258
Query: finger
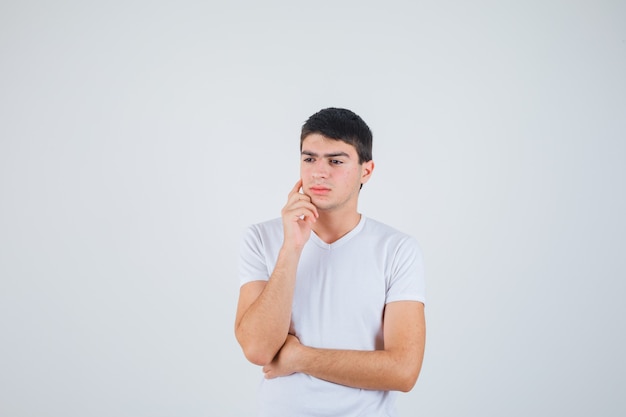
pixel 297 197
pixel 306 217
pixel 301 209
pixel 267 372
pixel 305 201
pixel 296 188
pixel 299 201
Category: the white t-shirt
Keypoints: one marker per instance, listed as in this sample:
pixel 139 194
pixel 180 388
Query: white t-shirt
pixel 341 291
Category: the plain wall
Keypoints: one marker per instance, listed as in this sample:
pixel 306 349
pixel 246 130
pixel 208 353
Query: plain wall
pixel 139 138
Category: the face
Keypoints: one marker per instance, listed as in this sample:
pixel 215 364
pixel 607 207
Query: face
pixel 331 173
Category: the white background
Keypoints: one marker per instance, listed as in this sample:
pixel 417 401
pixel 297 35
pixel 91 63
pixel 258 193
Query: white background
pixel 139 138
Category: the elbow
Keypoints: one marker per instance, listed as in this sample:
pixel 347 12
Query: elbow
pixel 406 383
pixel 407 377
pixel 257 356
pixel 256 353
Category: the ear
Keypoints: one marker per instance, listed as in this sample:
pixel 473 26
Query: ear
pixel 366 171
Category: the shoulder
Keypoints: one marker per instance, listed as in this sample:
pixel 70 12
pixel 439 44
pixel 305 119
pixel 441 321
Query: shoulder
pixel 261 241
pixel 385 231
pixel 267 226
pixel 265 231
pixel 390 239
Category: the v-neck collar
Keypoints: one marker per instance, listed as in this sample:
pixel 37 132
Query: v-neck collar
pixel 342 240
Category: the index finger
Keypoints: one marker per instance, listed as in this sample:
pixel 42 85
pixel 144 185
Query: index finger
pixel 296 187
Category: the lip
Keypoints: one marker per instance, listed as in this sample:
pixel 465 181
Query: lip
pixel 319 190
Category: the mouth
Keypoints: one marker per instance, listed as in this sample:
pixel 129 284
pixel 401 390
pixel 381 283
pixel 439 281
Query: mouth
pixel 319 190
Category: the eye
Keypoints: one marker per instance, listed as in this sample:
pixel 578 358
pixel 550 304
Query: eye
pixel 336 162
pixel 307 159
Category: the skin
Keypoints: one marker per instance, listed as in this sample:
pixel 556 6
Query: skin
pixel 324 200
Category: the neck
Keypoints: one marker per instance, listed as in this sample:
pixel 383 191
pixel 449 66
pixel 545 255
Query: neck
pixel 331 228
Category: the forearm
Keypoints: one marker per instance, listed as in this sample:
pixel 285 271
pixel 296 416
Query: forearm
pixel 263 327
pixel 377 370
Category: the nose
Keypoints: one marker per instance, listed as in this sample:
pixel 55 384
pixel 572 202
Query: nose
pixel 320 170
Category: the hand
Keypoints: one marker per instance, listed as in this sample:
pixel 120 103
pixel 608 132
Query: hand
pixel 298 215
pixel 285 361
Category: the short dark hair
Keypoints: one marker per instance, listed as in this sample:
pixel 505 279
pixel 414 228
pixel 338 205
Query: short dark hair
pixel 343 125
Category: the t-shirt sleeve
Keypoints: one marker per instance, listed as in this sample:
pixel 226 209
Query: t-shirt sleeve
pixel 406 282
pixel 252 262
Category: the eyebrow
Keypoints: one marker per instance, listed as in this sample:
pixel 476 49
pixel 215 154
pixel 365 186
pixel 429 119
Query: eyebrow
pixel 326 155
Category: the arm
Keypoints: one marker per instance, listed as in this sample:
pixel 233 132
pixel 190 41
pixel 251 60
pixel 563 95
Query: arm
pixel 264 311
pixel 264 308
pixel 396 367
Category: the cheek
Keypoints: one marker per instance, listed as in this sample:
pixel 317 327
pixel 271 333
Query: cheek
pixel 349 178
pixel 303 172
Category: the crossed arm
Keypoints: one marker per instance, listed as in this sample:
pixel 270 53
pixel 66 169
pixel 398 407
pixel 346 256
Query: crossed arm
pixel 396 367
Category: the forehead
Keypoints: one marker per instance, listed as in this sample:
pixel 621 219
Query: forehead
pixel 318 143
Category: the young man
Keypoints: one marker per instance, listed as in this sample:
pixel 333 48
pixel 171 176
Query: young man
pixel 331 302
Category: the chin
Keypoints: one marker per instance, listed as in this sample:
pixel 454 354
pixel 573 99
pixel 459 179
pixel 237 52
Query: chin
pixel 324 206
pixel 320 204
